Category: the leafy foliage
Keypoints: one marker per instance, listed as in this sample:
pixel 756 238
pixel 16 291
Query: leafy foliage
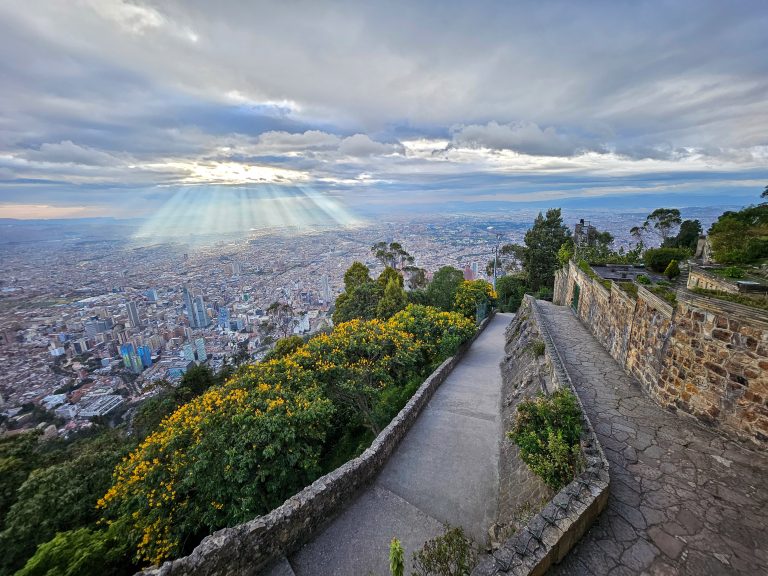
pixel 396 558
pixel 82 552
pixel 672 270
pixel 657 259
pixel 393 300
pixel 643 279
pixel 756 301
pixel 687 237
pixel 441 292
pixel 741 237
pixel 242 447
pixel 543 241
pixel 733 272
pixel 663 221
pixel 472 293
pixel 548 430
pixel 664 293
pixel 285 347
pixel 510 291
pixel 451 554
pixel 359 302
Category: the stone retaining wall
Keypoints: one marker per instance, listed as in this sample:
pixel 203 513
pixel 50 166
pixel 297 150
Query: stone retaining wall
pixel 551 533
pixel 704 356
pixel 700 278
pixel 249 548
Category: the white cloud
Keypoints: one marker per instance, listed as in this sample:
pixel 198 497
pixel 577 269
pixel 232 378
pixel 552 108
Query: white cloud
pixel 361 145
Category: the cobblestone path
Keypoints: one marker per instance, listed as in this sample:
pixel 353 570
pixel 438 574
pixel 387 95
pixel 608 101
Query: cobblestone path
pixel 683 500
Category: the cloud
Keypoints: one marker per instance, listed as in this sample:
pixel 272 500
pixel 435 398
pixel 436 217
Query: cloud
pixel 523 137
pixel 106 97
pixel 361 145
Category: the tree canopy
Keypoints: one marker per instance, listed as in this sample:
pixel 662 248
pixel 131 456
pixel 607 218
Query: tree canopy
pixel 442 290
pixel 543 242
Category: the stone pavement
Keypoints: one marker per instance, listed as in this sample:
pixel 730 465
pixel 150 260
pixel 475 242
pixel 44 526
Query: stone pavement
pixel 683 500
pixel 445 470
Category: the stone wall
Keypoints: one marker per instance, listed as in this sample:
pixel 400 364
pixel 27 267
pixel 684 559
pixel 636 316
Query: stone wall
pixel 552 532
pixel 704 357
pixel 700 278
pixel 249 548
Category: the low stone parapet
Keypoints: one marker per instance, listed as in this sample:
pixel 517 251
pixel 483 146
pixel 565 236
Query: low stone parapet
pixel 551 533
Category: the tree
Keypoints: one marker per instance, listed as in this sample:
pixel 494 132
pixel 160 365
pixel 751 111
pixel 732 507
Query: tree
pixel 543 242
pixel 740 237
pixel 687 237
pixel 285 347
pixel 510 259
pixel 765 193
pixel 392 255
pixel 387 275
pixel 82 552
pixel 361 302
pixel 470 295
pixel 510 290
pixel 283 314
pixel 393 300
pixel 663 222
pixel 356 275
pixel 442 290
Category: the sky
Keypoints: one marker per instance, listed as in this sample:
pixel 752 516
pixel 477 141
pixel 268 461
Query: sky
pixel 287 109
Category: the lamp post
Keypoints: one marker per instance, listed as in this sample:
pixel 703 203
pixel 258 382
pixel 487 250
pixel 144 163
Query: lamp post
pixel 495 253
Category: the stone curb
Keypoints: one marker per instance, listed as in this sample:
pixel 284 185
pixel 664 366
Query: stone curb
pixel 249 548
pixel 551 533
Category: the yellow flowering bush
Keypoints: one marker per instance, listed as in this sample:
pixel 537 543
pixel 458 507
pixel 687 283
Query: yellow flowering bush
pixel 438 333
pixel 228 455
pixel 238 450
pixel 470 294
pixel 359 361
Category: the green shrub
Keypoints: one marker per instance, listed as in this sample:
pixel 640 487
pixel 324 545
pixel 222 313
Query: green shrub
pixel 537 348
pixel 732 272
pixel 548 430
pixel 643 279
pixel 664 293
pixel 759 302
pixel 451 554
pixel 629 288
pixel 672 270
pixel 658 259
pixel 396 558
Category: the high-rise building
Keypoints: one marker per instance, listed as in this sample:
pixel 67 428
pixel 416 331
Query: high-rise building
pixel 325 289
pixel 200 313
pixel 145 354
pixel 200 349
pixel 474 269
pixel 151 295
pixel 189 307
pixel 131 359
pixel 188 352
pixel 133 314
pixel 224 318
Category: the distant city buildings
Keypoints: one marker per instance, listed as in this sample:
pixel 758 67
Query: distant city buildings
pixel 133 314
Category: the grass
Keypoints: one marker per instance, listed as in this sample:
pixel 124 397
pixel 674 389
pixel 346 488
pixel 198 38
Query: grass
pixel 664 293
pixel 536 347
pixel 629 288
pixel 758 302
pixel 587 269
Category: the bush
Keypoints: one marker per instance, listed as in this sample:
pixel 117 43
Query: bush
pixel 657 259
pixel 451 554
pixel 396 558
pixel 733 272
pixel 665 294
pixel 643 279
pixel 629 288
pixel 672 270
pixel 471 294
pixel 548 431
pixel 759 302
pixel 537 348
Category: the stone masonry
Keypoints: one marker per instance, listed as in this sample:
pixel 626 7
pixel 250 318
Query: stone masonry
pixel 683 500
pixel 703 356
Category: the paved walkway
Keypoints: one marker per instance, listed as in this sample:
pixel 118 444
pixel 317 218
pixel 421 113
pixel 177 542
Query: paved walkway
pixel 444 471
pixel 683 500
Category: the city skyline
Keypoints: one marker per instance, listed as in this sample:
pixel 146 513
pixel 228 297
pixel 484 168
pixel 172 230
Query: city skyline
pixel 333 113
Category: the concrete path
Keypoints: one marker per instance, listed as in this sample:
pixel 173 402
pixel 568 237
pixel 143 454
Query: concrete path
pixel 444 471
pixel 683 500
